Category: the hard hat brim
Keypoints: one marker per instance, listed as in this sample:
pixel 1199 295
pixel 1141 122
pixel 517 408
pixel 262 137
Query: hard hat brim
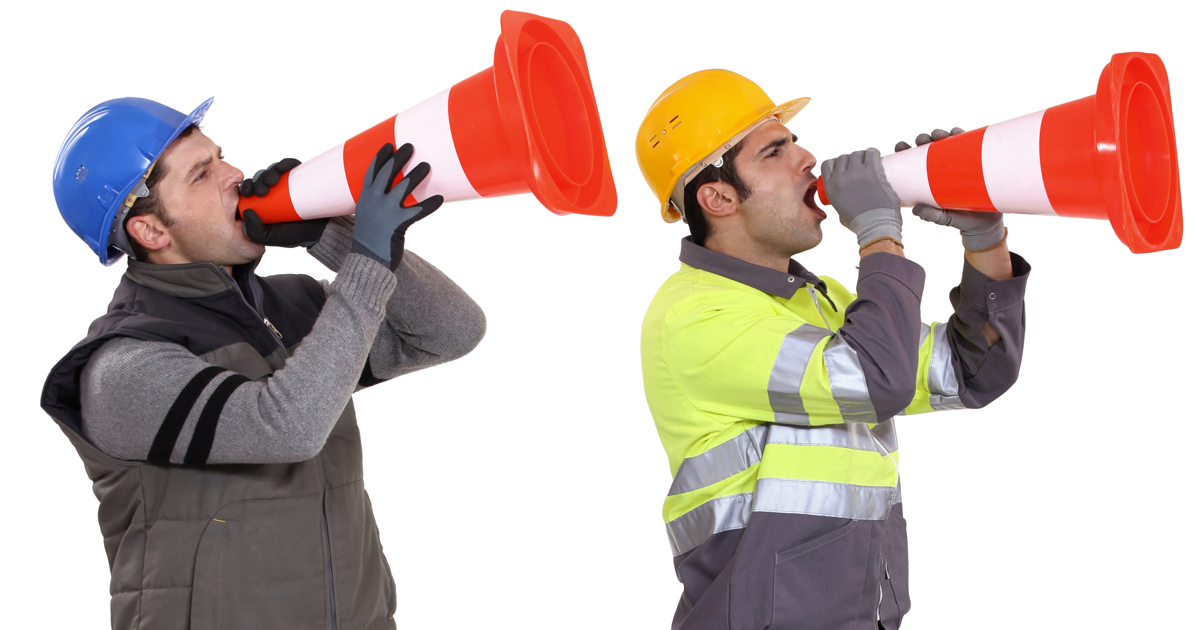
pixel 109 254
pixel 783 113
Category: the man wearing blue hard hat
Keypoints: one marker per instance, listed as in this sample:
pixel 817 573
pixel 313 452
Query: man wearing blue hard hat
pixel 212 407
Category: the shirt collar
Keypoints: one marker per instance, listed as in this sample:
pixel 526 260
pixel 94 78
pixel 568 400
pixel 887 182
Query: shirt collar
pixel 764 279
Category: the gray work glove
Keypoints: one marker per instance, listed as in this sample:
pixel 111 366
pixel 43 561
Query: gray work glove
pixel 380 217
pixel 860 193
pixel 980 230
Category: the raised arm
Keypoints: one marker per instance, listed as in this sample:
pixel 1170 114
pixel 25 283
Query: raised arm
pixel 429 318
pixel 155 401
pixel 734 354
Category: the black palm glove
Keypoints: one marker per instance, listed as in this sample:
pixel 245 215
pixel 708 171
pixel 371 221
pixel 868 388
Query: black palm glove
pixel 380 217
pixel 289 234
pixel 263 180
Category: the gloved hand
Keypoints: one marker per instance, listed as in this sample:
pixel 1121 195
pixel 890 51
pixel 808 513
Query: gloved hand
pixel 860 193
pixel 289 234
pixel 380 218
pixel 980 230
pixel 263 180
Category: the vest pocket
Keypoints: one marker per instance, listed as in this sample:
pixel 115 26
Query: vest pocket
pixel 819 584
pixel 261 564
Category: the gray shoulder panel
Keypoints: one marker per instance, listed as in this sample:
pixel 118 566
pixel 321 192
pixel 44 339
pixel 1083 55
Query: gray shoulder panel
pixel 241 357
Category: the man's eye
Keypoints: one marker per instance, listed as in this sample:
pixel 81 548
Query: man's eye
pixel 202 174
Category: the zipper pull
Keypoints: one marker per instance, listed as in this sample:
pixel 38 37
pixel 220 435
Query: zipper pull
pixel 820 312
pixel 275 330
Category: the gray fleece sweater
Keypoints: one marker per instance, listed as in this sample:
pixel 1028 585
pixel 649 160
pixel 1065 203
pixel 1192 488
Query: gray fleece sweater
pixel 407 321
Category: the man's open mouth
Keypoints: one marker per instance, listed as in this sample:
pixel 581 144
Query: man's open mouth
pixel 810 199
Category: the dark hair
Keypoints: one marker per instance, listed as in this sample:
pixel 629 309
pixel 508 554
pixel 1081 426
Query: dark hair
pixel 726 173
pixel 152 203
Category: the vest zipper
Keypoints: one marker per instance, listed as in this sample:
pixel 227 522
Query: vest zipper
pixel 817 303
pixel 328 549
pixel 257 308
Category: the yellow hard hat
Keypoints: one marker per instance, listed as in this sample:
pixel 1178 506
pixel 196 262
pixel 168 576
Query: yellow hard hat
pixel 693 123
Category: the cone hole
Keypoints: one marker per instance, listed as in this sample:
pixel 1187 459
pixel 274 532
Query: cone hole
pixel 560 115
pixel 1146 152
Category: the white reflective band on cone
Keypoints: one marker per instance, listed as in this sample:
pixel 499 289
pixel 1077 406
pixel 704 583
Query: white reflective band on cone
pixel 318 187
pixel 1012 166
pixel 905 172
pixel 427 127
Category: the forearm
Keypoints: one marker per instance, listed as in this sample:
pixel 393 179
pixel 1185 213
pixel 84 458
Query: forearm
pixel 157 401
pixel 429 318
pixel 883 326
pixel 987 330
pixel 996 264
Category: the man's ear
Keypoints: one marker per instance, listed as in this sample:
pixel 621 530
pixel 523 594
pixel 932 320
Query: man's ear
pixel 149 232
pixel 718 199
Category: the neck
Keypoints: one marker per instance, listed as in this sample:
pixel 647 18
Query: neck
pixel 750 252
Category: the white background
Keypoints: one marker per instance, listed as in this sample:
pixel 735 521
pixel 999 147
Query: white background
pixel 523 484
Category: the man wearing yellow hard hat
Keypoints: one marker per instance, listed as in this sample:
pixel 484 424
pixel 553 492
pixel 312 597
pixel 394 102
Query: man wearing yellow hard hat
pixel 774 389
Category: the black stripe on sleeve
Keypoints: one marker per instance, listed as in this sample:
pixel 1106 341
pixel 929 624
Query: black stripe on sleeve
pixel 206 427
pixel 168 433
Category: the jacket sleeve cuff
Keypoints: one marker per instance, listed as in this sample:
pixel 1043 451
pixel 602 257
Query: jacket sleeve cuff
pixel 366 282
pixel 906 272
pixel 986 296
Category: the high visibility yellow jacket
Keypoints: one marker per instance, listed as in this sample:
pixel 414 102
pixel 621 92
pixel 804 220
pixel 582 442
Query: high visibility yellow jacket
pixel 774 394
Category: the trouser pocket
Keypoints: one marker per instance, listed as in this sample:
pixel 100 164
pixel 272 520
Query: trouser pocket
pixel 820 583
pixel 895 602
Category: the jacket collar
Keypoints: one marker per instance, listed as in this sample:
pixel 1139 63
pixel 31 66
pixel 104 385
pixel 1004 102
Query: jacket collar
pixel 188 280
pixel 764 279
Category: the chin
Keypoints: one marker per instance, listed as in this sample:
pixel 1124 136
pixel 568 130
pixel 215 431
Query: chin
pixel 810 240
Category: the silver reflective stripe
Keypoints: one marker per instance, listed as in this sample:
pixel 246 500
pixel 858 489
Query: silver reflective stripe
pixel 885 432
pixel 847 382
pixel 720 462
pixel 854 436
pixel 783 388
pixel 823 498
pixel 718 515
pixel 943 384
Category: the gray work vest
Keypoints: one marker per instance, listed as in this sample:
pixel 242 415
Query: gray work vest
pixel 288 546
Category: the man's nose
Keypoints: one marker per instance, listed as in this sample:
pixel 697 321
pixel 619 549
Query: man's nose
pixel 234 177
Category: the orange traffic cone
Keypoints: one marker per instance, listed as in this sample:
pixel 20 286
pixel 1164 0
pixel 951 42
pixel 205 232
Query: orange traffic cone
pixel 527 124
pixel 1111 155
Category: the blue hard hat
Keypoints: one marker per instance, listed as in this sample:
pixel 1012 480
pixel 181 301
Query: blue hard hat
pixel 105 157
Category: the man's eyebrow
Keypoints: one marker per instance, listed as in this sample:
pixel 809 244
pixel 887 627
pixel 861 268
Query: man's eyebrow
pixel 776 143
pixel 195 169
